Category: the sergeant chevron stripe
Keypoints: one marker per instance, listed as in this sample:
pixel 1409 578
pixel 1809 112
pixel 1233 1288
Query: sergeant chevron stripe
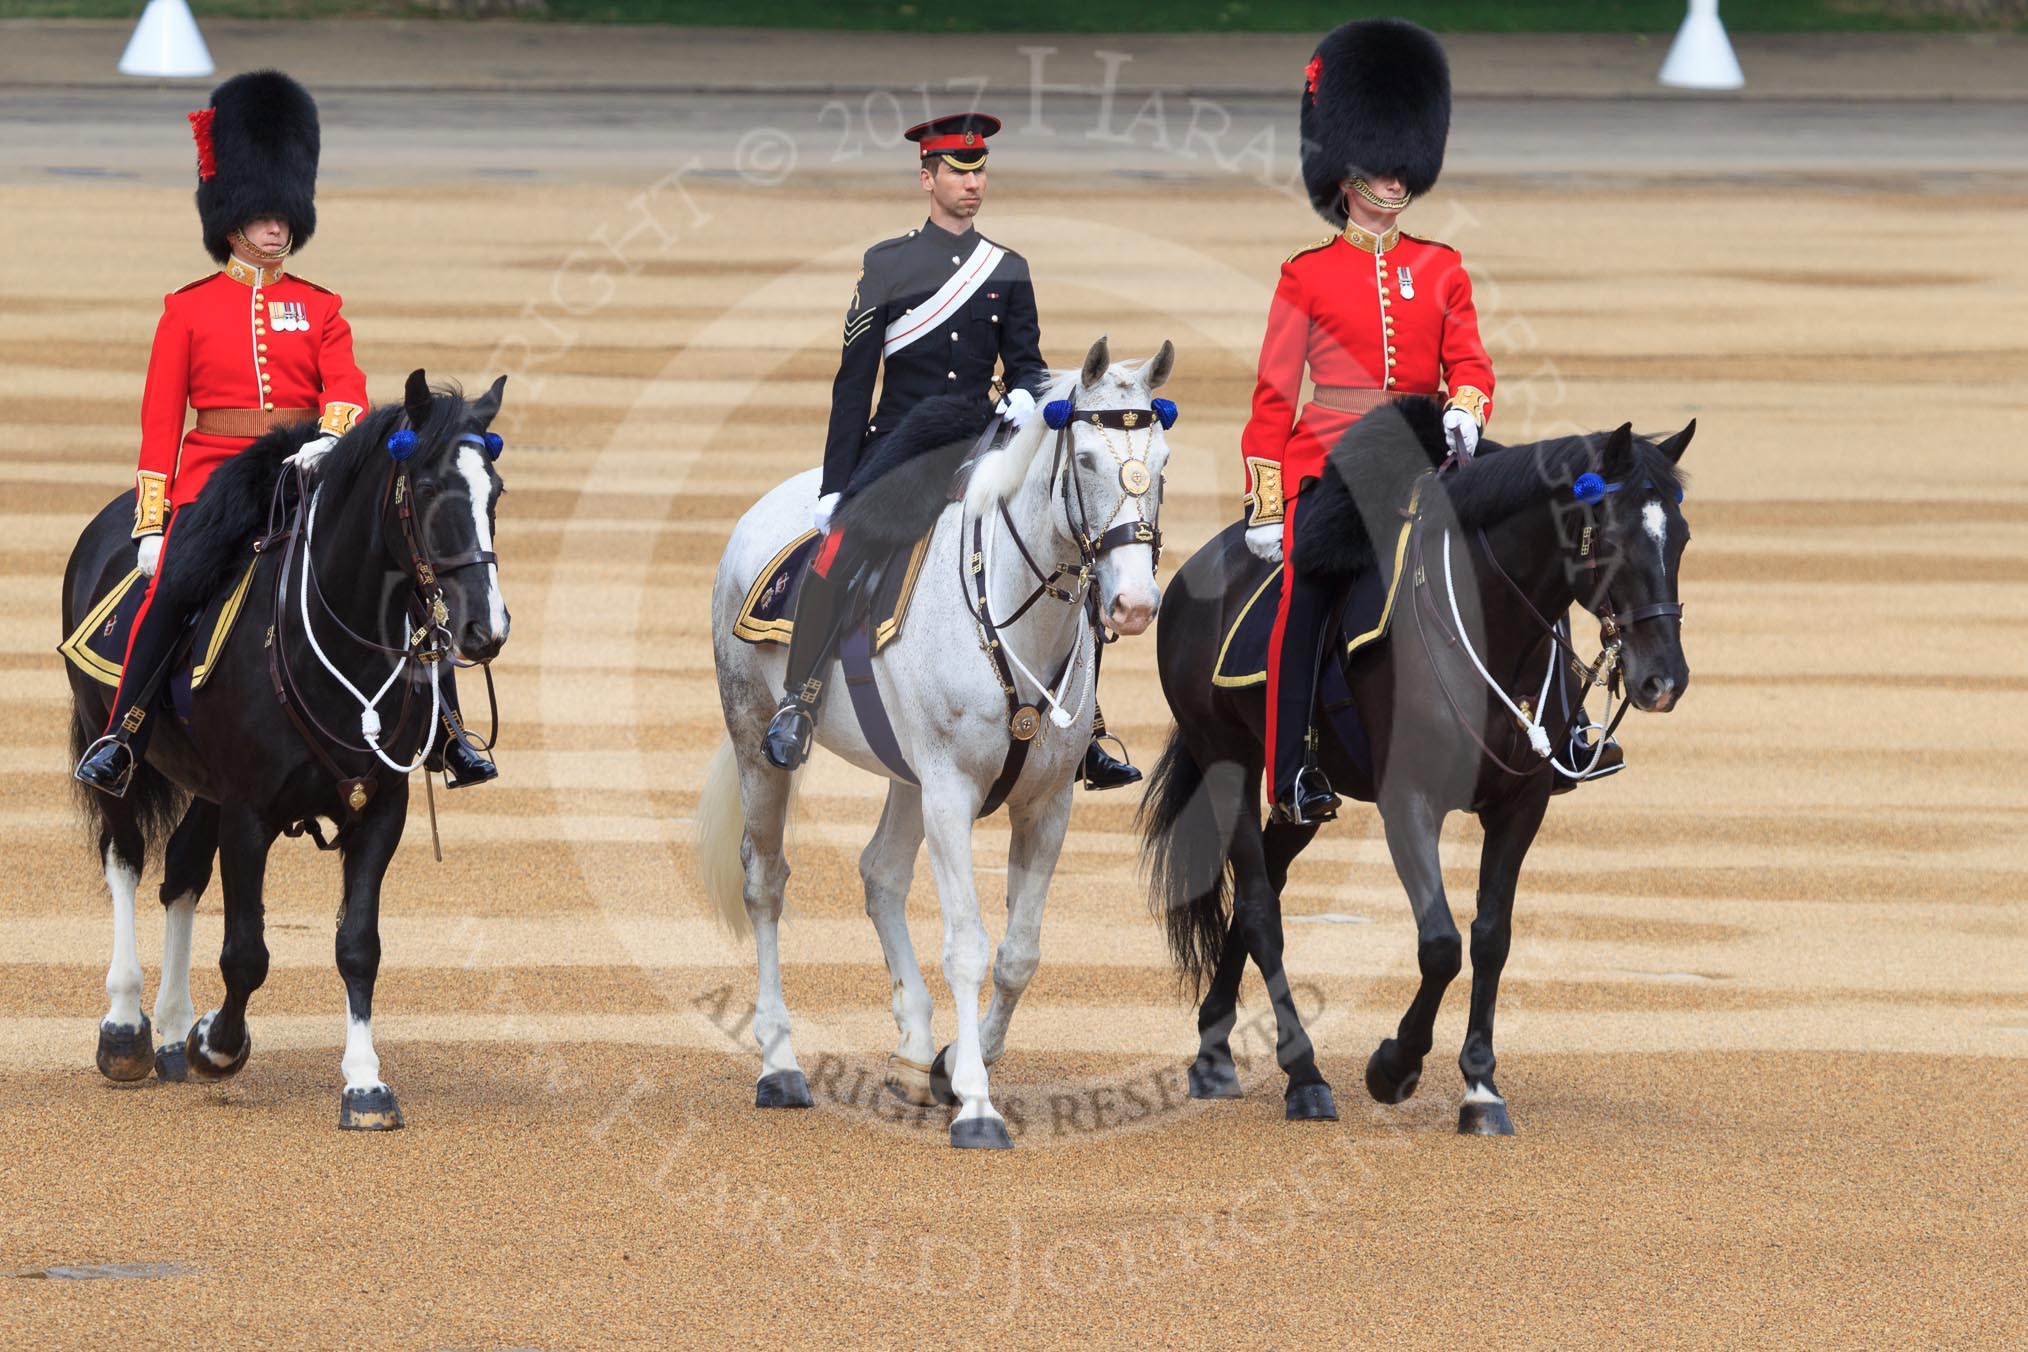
pixel 858 324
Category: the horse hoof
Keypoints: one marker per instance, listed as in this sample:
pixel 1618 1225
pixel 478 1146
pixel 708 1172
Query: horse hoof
pixel 1485 1119
pixel 199 1055
pixel 172 1063
pixel 783 1089
pixel 1381 1080
pixel 126 1053
pixel 980 1133
pixel 940 1081
pixel 369 1110
pixel 1214 1080
pixel 909 1081
pixel 1311 1103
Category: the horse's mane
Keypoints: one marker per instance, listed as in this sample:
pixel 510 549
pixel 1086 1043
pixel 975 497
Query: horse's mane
pixel 1503 480
pixel 215 532
pixel 1370 471
pixel 1000 473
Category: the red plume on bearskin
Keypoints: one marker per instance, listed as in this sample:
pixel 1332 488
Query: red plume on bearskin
pixel 1376 103
pixel 200 130
pixel 257 156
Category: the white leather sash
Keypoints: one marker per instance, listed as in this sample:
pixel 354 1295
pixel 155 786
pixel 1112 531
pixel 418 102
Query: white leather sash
pixel 931 314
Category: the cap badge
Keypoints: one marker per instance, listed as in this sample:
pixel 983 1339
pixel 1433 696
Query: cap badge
pixel 971 138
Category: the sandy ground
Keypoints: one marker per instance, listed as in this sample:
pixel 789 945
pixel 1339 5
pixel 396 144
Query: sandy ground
pixel 1765 1028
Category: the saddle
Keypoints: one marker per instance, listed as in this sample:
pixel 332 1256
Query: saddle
pixel 98 646
pixel 879 601
pixel 1362 621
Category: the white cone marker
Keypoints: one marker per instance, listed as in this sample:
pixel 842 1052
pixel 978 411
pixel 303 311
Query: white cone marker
pixel 1701 56
pixel 166 44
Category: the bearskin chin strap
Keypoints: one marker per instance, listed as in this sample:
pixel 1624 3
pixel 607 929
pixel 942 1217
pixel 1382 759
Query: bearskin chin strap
pixel 1365 190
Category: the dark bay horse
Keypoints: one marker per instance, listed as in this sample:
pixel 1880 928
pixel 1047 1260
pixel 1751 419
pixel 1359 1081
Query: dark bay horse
pixel 1499 550
pixel 318 706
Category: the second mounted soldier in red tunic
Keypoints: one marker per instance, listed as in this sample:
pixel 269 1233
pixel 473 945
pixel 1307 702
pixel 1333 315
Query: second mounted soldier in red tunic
pixel 250 348
pixel 1374 315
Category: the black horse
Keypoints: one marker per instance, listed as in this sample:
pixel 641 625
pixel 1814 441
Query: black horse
pixel 368 572
pixel 1495 553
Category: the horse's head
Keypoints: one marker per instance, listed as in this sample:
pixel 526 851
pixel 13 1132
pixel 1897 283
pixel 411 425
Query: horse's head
pixel 440 512
pixel 1630 548
pixel 1111 451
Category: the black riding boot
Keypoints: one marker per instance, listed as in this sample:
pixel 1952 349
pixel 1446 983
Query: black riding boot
pixel 109 763
pixel 1101 771
pixel 817 614
pixel 1302 795
pixel 1579 752
pixel 457 752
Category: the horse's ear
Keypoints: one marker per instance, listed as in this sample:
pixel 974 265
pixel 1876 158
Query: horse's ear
pixel 416 398
pixel 1676 445
pixel 1161 365
pixel 1095 363
pixel 487 406
pixel 1618 460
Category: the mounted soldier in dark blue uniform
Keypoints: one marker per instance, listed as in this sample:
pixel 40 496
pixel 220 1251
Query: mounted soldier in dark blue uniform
pixel 941 304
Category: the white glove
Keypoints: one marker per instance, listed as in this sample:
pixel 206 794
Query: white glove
pixel 821 518
pixel 1265 541
pixel 148 555
pixel 1461 430
pixel 312 452
pixel 1017 408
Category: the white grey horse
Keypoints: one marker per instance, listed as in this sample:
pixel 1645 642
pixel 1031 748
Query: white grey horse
pixel 1086 498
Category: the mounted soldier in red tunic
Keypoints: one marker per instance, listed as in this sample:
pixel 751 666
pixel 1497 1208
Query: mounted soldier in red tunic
pixel 1375 315
pixel 250 348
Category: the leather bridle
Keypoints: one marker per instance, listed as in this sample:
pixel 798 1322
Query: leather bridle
pixel 1024 719
pixel 428 639
pixel 1604 670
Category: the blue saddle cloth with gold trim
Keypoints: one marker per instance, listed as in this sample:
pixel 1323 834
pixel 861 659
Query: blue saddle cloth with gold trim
pixel 98 646
pixel 768 615
pixel 1242 657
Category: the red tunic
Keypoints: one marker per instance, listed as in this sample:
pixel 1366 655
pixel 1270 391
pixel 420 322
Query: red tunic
pixel 239 339
pixel 1385 313
pixel 1374 312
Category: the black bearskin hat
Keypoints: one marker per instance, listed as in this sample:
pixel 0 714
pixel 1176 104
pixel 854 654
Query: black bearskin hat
pixel 1376 103
pixel 256 156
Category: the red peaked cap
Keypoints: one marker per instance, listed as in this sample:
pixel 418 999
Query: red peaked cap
pixel 959 137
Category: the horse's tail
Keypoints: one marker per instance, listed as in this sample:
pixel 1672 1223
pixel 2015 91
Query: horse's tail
pixel 152 802
pixel 721 834
pixel 1183 851
pixel 721 827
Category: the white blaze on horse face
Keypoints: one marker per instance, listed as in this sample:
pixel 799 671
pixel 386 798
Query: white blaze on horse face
pixel 123 974
pixel 1655 522
pixel 472 464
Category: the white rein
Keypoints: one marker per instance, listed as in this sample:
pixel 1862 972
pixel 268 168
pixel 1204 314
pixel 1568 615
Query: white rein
pixel 1538 738
pixel 369 716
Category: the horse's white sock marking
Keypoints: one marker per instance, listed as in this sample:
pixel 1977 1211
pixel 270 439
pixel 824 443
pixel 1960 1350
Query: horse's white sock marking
pixel 173 1011
pixel 472 464
pixel 1480 1093
pixel 361 1063
pixel 123 974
